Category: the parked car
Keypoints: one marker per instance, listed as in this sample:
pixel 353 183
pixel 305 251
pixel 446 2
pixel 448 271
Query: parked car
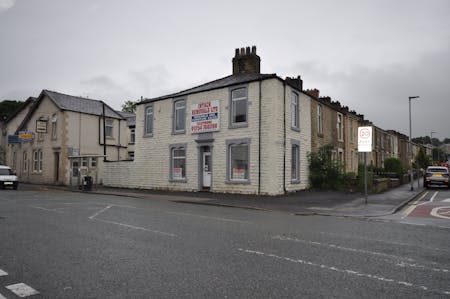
pixel 8 178
pixel 436 175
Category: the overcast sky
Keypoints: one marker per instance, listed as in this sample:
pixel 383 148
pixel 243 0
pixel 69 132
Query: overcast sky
pixel 369 55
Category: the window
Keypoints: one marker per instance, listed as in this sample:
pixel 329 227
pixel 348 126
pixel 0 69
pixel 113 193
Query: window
pixel 37 160
pixel 131 155
pixel 40 136
pixel 148 121
pixel 84 162
pixel 295 121
pixel 93 162
pixel 132 135
pixel 54 127
pixel 340 127
pixel 178 162
pixel 319 119
pixel 295 162
pixel 179 119
pixel 238 161
pixel 25 162
pixel 75 166
pixel 14 161
pixel 238 111
pixel 109 128
pixel 350 129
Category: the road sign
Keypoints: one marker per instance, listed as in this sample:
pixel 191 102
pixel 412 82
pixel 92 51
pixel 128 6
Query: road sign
pixel 364 139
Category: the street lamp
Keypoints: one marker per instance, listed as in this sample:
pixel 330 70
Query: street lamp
pixel 431 141
pixel 410 142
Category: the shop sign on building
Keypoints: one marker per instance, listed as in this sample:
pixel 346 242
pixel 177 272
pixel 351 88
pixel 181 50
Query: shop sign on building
pixel 41 126
pixel 205 117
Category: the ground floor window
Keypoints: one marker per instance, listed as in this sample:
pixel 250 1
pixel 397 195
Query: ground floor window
pixel 75 168
pixel 131 155
pixel 238 160
pixel 295 161
pixel 37 160
pixel 178 162
pixel 25 162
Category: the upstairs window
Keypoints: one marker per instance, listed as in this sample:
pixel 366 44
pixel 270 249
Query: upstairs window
pixel 295 112
pixel 340 127
pixel 54 126
pixel 179 120
pixel 132 135
pixel 239 103
pixel 319 119
pixel 109 128
pixel 148 121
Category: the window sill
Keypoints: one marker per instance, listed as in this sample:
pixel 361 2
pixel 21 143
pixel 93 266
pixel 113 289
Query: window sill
pixel 238 125
pixel 295 182
pixel 237 182
pixel 178 132
pixel 295 129
pixel 178 181
pixel 148 135
pixel 320 135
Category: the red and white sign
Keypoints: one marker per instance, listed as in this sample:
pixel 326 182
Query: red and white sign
pixel 364 139
pixel 205 117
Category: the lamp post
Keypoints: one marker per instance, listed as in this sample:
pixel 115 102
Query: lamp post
pixel 431 141
pixel 410 142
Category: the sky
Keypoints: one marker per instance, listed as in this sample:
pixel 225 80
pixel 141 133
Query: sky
pixel 368 55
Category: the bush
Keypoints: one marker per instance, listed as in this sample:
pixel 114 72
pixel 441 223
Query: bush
pixel 394 165
pixel 324 172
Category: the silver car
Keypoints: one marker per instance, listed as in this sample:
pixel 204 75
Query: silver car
pixel 436 175
pixel 8 178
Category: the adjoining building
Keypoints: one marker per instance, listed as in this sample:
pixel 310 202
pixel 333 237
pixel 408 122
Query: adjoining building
pixel 58 138
pixel 245 133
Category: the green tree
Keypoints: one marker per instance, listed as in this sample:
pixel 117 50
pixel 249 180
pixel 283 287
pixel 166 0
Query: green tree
pixel 129 106
pixel 422 159
pixel 7 107
pixel 439 155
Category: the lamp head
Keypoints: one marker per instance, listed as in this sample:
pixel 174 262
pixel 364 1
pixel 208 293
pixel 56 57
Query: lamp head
pixel 414 97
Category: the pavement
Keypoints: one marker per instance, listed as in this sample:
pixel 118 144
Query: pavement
pixel 326 203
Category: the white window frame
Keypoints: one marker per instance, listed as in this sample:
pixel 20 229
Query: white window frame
pixel 233 101
pixel 173 148
pixel 25 162
pixel 54 126
pixel 340 126
pixel 179 106
pixel 132 135
pixel 93 162
pixel 295 111
pixel 319 119
pixel 230 145
pixel 109 126
pixel 148 120
pixel 38 158
pixel 295 161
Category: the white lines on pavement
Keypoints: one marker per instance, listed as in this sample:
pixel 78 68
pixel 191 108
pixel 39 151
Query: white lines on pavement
pixel 46 209
pixel 101 211
pixel 434 196
pixel 333 246
pixel 3 273
pixel 384 241
pixel 135 227
pixel 344 271
pixel 209 217
pixel 414 205
pixel 2 297
pixel 22 290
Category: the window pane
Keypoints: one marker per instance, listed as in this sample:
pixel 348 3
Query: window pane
pixel 294 110
pixel 149 120
pixel 180 115
pixel 239 162
pixel 238 93
pixel 178 164
pixel 294 163
pixel 240 111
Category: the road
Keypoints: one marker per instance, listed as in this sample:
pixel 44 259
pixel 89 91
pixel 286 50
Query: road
pixel 58 244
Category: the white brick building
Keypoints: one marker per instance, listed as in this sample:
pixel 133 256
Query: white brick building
pixel 246 133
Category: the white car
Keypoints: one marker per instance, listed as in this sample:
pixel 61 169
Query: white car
pixel 8 178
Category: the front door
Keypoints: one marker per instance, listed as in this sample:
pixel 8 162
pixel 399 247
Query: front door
pixel 207 169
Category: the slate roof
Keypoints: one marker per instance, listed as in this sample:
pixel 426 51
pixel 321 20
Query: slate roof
pixel 79 104
pixel 130 117
pixel 219 83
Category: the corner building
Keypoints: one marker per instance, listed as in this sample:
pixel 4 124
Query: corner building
pixel 247 133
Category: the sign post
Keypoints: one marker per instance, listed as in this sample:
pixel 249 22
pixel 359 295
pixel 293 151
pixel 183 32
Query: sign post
pixel 365 146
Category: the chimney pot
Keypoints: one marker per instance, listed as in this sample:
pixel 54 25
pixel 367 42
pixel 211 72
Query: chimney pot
pixel 236 54
pixel 246 61
pixel 242 51
pixel 254 50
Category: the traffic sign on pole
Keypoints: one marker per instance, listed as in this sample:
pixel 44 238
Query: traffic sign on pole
pixel 364 139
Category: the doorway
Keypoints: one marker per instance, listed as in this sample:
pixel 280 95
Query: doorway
pixel 206 168
pixel 56 167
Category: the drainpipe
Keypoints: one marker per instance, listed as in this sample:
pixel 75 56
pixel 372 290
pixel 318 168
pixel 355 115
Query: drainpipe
pixel 259 141
pixel 284 136
pixel 104 132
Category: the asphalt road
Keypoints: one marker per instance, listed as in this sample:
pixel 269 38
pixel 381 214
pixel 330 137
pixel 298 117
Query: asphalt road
pixel 76 245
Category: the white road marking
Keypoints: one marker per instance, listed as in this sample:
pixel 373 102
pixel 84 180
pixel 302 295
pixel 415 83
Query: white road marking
pixel 101 211
pixel 414 205
pixel 48 210
pixel 403 264
pixel 446 200
pixel 209 217
pixel 22 290
pixel 3 273
pixel 434 212
pixel 344 271
pixel 135 227
pixel 434 196
pixel 2 297
pixel 333 246
pixel 420 198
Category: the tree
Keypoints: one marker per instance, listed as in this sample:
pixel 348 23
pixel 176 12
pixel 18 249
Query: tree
pixel 422 159
pixel 7 107
pixel 324 172
pixel 439 155
pixel 129 106
pixel 394 165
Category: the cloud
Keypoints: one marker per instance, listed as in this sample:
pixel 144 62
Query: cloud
pixel 6 4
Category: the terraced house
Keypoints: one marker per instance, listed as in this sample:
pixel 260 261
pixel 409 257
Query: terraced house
pixel 244 133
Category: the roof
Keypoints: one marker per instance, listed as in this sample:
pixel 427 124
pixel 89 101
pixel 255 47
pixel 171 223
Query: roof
pixel 71 103
pixel 30 100
pixel 219 83
pixel 130 117
pixel 79 104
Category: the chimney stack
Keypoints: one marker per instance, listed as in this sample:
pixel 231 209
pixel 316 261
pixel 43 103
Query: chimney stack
pixel 246 61
pixel 313 92
pixel 296 82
